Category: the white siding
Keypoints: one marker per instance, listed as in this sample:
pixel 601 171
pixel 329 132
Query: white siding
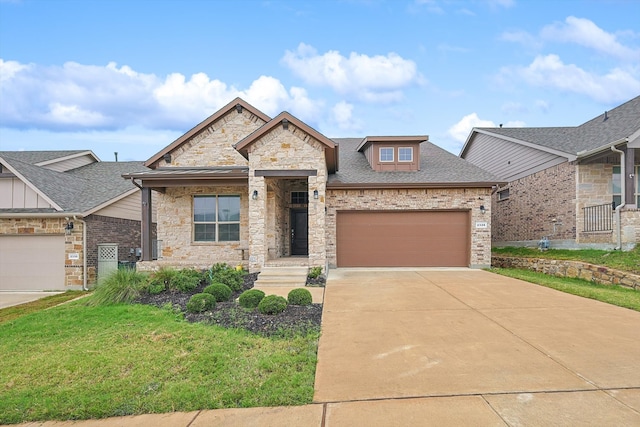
pixel 508 160
pixel 68 164
pixel 15 194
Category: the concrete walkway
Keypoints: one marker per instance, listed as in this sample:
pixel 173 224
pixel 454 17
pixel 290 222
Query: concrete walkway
pixel 13 298
pixel 453 347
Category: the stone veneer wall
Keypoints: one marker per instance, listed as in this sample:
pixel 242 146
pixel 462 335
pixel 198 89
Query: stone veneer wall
pixel 281 150
pixel 533 203
pixel 415 199
pixel 575 269
pixel 175 230
pixel 277 221
pixel 73 269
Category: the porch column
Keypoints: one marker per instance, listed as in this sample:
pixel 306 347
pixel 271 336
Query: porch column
pixel 630 178
pixel 316 221
pixel 147 243
pixel 257 223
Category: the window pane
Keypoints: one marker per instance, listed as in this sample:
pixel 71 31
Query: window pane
pixel 405 154
pixel 616 180
pixel 204 208
pixel 229 232
pixel 386 154
pixel 229 208
pixel 205 233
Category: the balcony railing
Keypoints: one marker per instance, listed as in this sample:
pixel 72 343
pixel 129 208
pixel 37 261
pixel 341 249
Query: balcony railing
pixel 598 218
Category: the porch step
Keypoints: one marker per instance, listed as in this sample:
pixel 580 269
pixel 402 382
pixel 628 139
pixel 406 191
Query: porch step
pixel 317 293
pixel 282 276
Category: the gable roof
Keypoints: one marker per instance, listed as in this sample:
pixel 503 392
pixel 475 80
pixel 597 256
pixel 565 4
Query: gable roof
pixel 330 147
pixel 597 134
pixel 237 103
pixel 41 158
pixel 404 138
pixel 79 190
pixel 438 169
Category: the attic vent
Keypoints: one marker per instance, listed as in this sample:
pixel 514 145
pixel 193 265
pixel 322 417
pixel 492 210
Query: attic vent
pixel 605 116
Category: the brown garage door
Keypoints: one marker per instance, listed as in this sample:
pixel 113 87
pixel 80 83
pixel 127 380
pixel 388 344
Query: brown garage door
pixel 403 239
pixel 31 263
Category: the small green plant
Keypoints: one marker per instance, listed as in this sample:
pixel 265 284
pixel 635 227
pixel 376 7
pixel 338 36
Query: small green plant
pixel 272 304
pixel 223 273
pixel 201 302
pixel 155 288
pixel 187 280
pixel 299 296
pixel 162 280
pixel 220 291
pixel 251 298
pixel 120 286
pixel 315 272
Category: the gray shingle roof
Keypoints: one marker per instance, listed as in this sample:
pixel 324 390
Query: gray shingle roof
pixel 620 123
pixel 34 157
pixel 437 166
pixel 78 190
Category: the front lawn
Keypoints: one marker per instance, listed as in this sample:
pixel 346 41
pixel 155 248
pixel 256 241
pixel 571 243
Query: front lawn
pixel 612 294
pixel 627 261
pixel 80 362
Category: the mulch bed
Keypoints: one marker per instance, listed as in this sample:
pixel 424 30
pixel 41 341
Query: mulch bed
pixel 229 314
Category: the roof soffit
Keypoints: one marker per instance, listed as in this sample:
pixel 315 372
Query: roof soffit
pixel 391 139
pixel 206 123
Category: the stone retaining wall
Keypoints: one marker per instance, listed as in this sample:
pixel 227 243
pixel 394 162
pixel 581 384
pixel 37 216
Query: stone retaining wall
pixel 567 268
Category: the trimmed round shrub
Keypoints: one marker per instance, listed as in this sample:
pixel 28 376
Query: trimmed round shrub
pixel 272 304
pixel 225 274
pixel 219 290
pixel 251 298
pixel 300 296
pixel 201 302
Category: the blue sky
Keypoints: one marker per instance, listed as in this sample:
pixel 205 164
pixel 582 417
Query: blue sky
pixel 132 76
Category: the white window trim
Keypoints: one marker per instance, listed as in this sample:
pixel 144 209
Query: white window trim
pixel 410 150
pixel 392 155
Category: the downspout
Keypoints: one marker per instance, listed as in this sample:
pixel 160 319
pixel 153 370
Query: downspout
pixel 623 196
pixel 84 253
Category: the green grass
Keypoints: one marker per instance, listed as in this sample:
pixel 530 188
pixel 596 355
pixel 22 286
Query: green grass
pixel 79 362
pixel 16 311
pixel 627 261
pixel 612 294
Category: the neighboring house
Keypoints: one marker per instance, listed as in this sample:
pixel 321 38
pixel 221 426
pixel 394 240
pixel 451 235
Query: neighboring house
pixel 56 207
pixel 565 182
pixel 244 188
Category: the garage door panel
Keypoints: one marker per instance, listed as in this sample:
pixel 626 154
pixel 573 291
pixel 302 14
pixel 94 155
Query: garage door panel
pixel 403 239
pixel 31 263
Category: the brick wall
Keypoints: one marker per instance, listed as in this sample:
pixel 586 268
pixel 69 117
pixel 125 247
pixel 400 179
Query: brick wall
pixel 102 229
pixel 534 202
pixel 414 199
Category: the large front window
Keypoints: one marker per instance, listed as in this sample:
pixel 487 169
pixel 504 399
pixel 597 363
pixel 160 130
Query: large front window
pixel 617 189
pixel 216 218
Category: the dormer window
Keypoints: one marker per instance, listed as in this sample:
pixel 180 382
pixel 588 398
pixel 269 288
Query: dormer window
pixel 405 154
pixel 386 154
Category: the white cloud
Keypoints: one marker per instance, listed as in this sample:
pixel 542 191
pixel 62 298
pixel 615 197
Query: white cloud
pixel 77 96
pixel 501 3
pixel 369 78
pixel 460 131
pixel 342 116
pixel 586 33
pixel 521 37
pixel 549 71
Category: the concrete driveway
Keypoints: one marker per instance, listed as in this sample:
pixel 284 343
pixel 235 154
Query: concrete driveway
pixel 9 299
pixel 462 347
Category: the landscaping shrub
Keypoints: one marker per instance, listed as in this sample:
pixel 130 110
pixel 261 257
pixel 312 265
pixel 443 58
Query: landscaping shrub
pixel 120 286
pixel 251 298
pixel 186 280
pixel 162 280
pixel 220 291
pixel 225 274
pixel 201 302
pixel 315 272
pixel 272 304
pixel 299 296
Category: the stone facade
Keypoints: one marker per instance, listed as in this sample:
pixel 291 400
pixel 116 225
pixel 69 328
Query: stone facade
pixel 574 269
pixel 73 268
pixel 541 204
pixel 415 199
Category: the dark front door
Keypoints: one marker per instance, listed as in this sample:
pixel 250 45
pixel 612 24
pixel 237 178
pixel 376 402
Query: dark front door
pixel 299 235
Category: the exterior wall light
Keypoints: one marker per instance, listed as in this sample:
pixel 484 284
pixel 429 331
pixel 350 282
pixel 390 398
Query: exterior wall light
pixel 167 158
pixel 315 194
pixel 285 124
pixel 239 108
pixel 254 196
pixel 482 209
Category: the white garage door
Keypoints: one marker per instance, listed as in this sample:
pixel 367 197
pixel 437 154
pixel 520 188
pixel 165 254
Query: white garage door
pixel 31 263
